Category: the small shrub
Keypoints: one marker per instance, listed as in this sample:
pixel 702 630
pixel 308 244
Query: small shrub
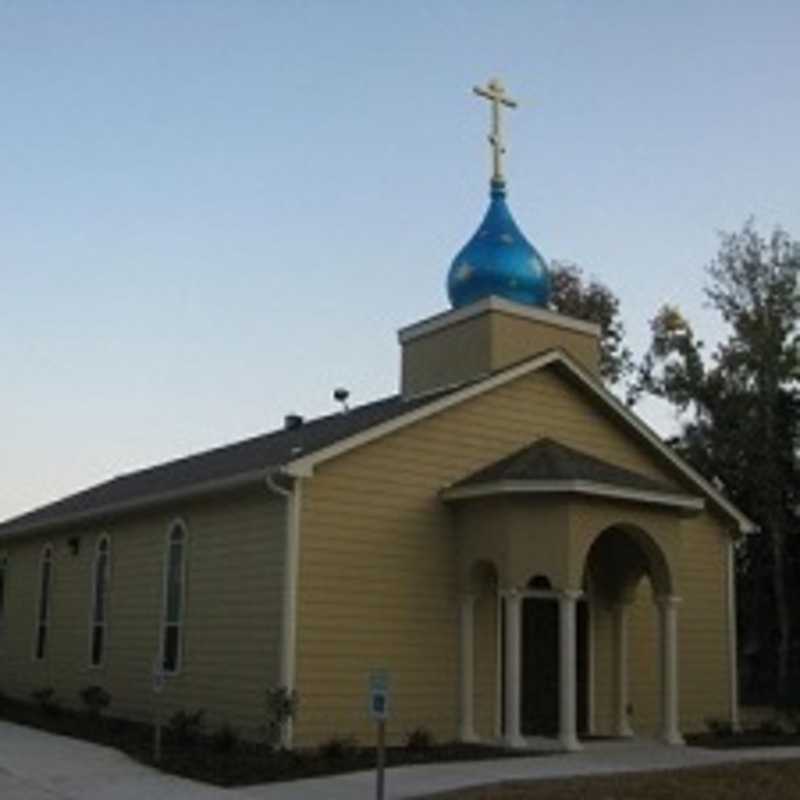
pixel 95 699
pixel 719 727
pixel 419 739
pixel 770 727
pixel 185 728
pixel 225 739
pixel 339 748
pixel 281 707
pixel 47 701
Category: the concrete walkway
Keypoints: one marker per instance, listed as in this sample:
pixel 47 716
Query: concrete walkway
pixel 40 766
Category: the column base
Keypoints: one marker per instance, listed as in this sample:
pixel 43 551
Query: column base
pixel 570 744
pixel 673 738
pixel 469 737
pixel 515 742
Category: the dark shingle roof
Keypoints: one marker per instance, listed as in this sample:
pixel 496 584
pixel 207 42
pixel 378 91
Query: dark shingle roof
pixel 260 453
pixel 548 460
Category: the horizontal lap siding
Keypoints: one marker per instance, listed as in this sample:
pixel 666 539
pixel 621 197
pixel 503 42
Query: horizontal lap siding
pixel 232 612
pixel 702 624
pixel 379 552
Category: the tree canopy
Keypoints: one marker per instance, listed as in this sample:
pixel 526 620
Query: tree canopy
pixel 573 295
pixel 741 420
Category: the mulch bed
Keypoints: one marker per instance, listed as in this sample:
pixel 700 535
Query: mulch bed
pixel 227 760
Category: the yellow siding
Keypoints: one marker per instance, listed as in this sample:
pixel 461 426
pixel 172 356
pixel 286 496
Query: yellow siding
pixel 515 338
pixel 378 583
pixel 232 621
pixel 702 624
pixel 644 690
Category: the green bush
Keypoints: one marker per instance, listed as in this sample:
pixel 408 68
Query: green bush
pixel 419 739
pixel 225 739
pixel 281 707
pixel 719 727
pixel 95 699
pixel 47 701
pixel 185 728
pixel 339 748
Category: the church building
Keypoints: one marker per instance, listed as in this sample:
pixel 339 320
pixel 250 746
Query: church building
pixel 521 554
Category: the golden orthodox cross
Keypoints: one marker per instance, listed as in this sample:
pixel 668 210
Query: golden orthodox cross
pixel 495 93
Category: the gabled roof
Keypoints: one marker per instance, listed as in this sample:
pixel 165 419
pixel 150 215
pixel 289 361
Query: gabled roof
pixel 298 452
pixel 548 467
pixel 248 461
pixel 547 460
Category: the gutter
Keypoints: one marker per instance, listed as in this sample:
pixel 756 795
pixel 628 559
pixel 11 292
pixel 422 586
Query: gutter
pixel 288 647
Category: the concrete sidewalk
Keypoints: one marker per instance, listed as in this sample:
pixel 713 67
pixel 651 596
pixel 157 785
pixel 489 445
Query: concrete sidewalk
pixel 39 766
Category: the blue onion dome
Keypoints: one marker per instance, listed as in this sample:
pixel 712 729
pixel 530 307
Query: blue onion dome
pixel 498 260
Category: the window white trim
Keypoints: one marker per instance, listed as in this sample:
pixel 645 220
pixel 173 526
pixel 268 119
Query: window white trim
pixel 41 624
pixel 94 624
pixel 174 527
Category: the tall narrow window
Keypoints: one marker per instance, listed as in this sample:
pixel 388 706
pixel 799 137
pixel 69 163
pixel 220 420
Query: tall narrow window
pixel 43 613
pixel 3 582
pixel 98 626
pixel 174 581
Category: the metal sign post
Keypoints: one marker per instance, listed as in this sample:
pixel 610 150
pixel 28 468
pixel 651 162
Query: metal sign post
pixel 159 681
pixel 379 696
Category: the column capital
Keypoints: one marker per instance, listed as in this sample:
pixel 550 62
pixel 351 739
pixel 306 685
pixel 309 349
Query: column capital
pixel 668 600
pixel 570 595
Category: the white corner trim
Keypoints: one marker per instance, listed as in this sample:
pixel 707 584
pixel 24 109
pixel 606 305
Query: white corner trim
pixel 288 663
pixel 584 487
pixel 305 465
pixel 733 666
pixel 494 303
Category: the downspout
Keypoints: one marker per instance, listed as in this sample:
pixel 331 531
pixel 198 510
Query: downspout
pixel 733 666
pixel 289 598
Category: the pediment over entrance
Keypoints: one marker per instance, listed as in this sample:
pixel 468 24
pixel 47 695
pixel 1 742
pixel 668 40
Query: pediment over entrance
pixel 549 467
pixel 540 510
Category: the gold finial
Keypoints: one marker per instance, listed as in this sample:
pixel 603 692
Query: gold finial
pixel 495 93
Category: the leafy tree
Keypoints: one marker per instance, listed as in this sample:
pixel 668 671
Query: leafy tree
pixel 741 415
pixel 572 295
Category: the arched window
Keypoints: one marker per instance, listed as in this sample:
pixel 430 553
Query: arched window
pixel 43 611
pixel 3 581
pixel 174 599
pixel 98 625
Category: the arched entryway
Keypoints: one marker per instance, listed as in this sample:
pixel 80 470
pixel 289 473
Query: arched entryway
pixel 620 559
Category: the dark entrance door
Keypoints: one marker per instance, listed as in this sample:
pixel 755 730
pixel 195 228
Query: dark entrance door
pixel 540 667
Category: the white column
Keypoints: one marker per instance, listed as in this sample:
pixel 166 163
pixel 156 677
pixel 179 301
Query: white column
pixel 467 731
pixel 622 724
pixel 513 737
pixel 668 617
pixel 567 732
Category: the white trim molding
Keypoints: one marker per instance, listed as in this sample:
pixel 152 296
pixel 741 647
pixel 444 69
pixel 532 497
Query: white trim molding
pixel 733 647
pixel 591 488
pixel 288 664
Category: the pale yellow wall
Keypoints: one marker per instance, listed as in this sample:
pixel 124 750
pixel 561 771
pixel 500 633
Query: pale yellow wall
pixel 447 356
pixel 704 677
pixel 702 622
pixel 232 622
pixel 378 583
pixel 487 342
pixel 515 338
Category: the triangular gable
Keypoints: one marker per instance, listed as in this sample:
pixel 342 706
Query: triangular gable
pixel 304 466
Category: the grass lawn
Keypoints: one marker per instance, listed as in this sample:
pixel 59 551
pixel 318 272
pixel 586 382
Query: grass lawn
pixel 773 780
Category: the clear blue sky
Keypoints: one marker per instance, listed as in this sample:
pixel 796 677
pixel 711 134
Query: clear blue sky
pixel 211 213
